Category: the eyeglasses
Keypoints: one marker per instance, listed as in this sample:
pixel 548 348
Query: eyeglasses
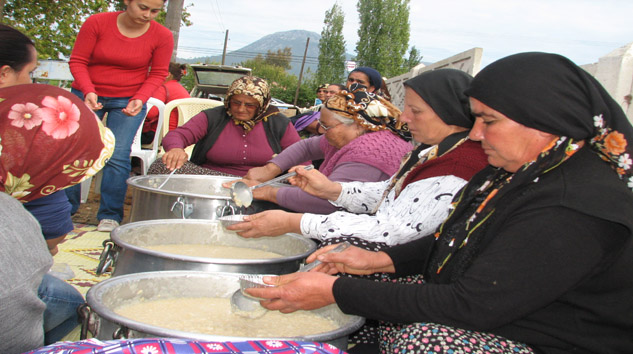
pixel 237 104
pixel 326 128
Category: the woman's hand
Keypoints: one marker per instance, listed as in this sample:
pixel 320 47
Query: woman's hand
pixel 133 107
pixel 175 158
pixel 263 173
pixel 315 183
pixel 296 291
pixel 268 223
pixel 91 100
pixel 353 260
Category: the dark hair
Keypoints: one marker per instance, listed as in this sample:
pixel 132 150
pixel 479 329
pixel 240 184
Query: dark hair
pixel 14 48
pixel 177 70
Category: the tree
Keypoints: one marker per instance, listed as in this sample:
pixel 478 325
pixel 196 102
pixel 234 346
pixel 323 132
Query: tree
pixel 281 58
pixel 415 57
pixel 53 25
pixel 383 35
pixel 331 67
pixel 282 84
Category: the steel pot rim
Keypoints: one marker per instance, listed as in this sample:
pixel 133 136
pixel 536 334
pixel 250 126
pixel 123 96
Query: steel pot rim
pixel 96 294
pixel 115 236
pixel 133 182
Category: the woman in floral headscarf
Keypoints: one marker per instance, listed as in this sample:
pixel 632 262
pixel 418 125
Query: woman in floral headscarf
pixel 229 140
pixel 361 141
pixel 536 255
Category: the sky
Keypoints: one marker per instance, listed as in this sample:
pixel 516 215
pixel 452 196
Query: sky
pixel 582 30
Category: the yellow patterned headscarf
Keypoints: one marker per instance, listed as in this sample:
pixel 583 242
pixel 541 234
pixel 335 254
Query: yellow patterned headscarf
pixel 49 140
pixel 256 88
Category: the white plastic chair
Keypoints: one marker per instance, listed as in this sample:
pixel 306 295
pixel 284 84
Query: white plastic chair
pixel 187 108
pixel 148 153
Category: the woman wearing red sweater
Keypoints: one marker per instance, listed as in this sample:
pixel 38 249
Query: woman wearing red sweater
pixel 118 61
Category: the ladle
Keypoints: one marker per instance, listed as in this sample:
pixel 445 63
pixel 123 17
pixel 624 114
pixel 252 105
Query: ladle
pixel 242 194
pixel 168 177
pixel 246 305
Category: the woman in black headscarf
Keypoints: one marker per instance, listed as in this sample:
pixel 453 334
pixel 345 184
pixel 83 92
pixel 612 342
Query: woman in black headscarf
pixel 537 254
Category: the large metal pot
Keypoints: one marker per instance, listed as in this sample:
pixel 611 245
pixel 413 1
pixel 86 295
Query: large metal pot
pixel 128 251
pixel 182 197
pixel 112 293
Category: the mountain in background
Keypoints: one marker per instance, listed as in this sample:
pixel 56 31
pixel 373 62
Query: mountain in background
pixel 295 39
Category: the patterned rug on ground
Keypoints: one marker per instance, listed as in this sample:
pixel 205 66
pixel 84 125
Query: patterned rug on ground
pixel 78 257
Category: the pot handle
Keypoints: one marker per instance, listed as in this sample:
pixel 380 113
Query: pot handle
pixel 121 333
pixel 185 208
pixel 89 322
pixel 107 257
pixel 221 210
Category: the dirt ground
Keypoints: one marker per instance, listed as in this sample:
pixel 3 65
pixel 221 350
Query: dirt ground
pixel 87 212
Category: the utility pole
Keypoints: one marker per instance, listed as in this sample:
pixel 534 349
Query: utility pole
pixel 303 63
pixel 172 21
pixel 226 39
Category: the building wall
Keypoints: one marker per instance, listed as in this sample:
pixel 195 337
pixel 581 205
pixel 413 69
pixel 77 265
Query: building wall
pixel 615 72
pixel 468 61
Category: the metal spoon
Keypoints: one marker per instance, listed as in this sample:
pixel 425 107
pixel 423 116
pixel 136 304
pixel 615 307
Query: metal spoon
pixel 242 194
pixel 246 305
pixel 167 179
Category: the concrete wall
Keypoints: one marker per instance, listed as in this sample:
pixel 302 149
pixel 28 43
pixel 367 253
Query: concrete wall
pixel 468 61
pixel 615 72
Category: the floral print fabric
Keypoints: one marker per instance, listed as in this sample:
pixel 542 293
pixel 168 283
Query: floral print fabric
pixel 49 140
pixel 186 346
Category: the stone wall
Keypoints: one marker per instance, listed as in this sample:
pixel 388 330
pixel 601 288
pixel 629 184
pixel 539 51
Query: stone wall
pixel 468 61
pixel 615 72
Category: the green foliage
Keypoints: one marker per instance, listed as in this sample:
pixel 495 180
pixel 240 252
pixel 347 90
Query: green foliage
pixel 281 58
pixel 282 85
pixel 53 25
pixel 415 57
pixel 383 35
pixel 331 67
pixel 188 81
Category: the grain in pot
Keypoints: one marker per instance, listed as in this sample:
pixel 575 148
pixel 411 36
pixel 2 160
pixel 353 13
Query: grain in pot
pixel 212 315
pixel 214 251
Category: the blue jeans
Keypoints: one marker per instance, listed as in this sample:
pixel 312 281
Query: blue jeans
pixel 62 301
pixel 117 170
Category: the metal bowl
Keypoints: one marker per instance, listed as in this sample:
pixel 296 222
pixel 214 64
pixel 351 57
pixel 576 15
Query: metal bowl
pixel 104 297
pixel 229 220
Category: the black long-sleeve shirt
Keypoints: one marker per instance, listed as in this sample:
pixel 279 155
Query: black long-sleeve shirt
pixel 554 278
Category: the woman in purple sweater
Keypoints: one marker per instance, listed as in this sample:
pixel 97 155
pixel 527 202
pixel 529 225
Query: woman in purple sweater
pixel 231 139
pixel 363 141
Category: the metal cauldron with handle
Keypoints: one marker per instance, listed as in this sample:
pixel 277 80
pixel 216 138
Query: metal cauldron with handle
pixel 99 316
pixel 128 252
pixel 182 197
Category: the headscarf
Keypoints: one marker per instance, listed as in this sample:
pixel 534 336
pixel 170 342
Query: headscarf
pixel 306 119
pixel 322 87
pixel 256 88
pixel 375 79
pixel 370 111
pixel 443 90
pixel 49 140
pixel 549 93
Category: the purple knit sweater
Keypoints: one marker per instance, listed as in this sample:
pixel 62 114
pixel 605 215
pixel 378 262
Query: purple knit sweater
pixel 371 157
